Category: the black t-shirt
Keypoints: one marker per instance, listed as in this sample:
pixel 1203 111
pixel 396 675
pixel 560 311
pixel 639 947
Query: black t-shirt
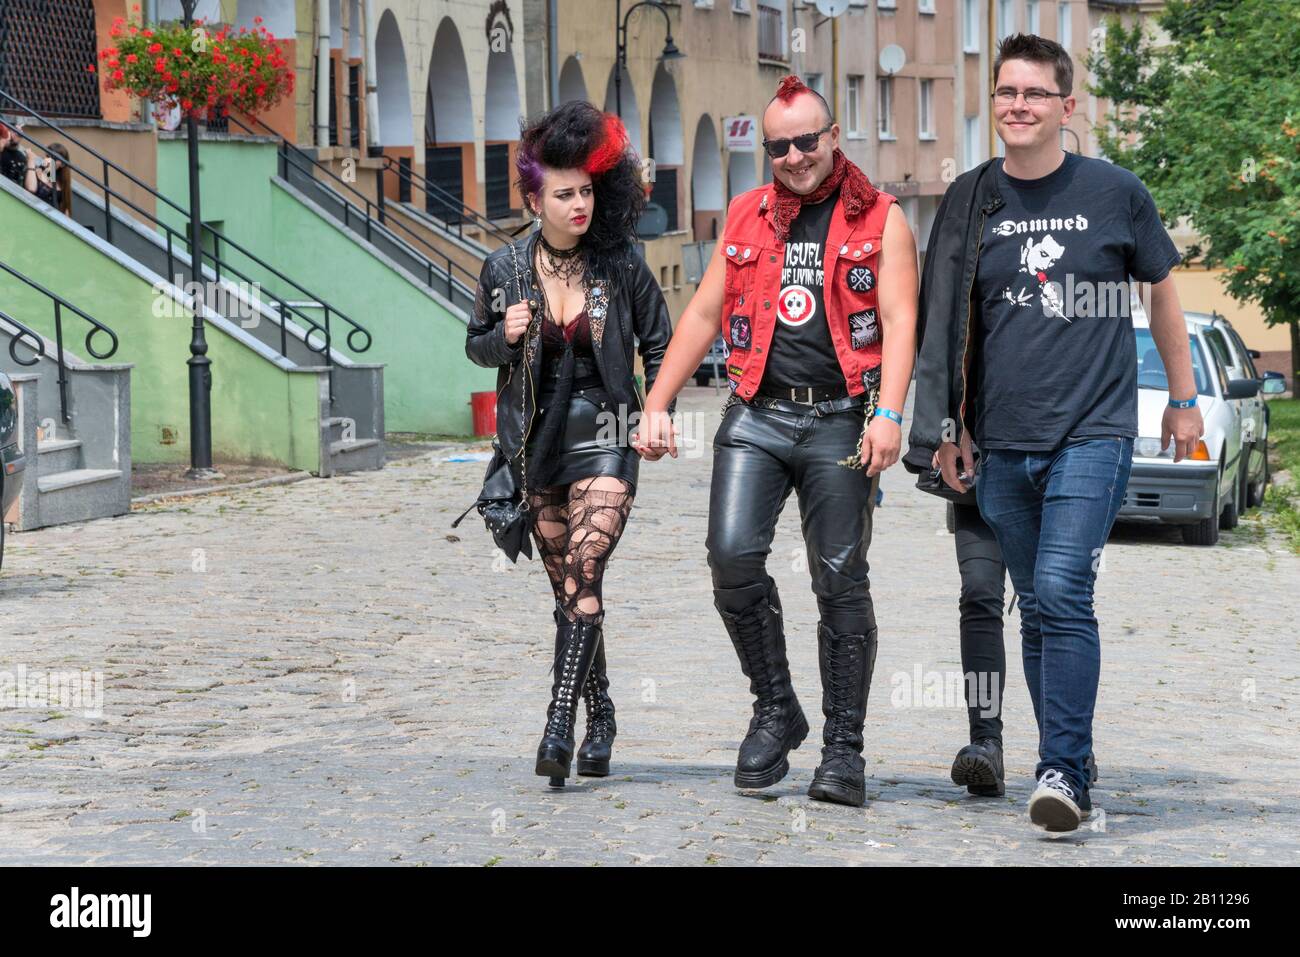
pixel 13 164
pixel 802 353
pixel 1056 351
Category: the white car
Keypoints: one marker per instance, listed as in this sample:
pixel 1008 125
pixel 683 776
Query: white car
pixel 1228 472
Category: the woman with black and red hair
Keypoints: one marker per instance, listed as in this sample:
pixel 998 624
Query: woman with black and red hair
pixel 558 314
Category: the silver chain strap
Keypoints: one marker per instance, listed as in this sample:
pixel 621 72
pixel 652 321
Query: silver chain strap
pixel 523 393
pixel 855 460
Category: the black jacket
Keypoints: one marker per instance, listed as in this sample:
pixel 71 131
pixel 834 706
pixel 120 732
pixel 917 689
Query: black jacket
pixel 947 314
pixel 628 311
pixel 13 164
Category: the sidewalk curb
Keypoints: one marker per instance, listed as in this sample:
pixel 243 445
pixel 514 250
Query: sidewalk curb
pixel 289 479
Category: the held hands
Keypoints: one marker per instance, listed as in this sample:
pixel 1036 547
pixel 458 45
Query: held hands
pixel 955 462
pixel 1185 427
pixel 655 436
pixel 517 319
pixel 881 445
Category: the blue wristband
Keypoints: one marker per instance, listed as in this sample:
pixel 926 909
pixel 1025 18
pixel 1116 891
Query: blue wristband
pixel 1183 403
pixel 891 415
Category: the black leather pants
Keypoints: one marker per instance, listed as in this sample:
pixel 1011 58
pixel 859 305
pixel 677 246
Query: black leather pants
pixel 759 456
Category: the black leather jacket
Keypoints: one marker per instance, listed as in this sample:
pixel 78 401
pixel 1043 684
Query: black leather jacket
pixel 628 310
pixel 947 313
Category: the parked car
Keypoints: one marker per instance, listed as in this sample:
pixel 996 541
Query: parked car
pixel 1228 471
pixel 714 364
pixel 12 462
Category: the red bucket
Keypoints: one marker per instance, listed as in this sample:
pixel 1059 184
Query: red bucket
pixel 483 407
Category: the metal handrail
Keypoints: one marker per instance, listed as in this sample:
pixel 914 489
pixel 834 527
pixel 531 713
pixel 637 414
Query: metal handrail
pixel 388 163
pixel 15 337
pixel 219 239
pixel 292 153
pixel 451 199
pixel 59 305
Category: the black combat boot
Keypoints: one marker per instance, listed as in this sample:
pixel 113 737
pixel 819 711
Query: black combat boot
pixel 846 663
pixel 598 744
pixel 979 767
pixel 578 645
pixel 778 725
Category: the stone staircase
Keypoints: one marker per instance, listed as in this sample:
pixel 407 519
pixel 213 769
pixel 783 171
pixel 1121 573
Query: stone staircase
pixel 82 466
pixel 351 406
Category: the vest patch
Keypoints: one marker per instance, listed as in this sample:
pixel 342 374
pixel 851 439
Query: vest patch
pixel 863 329
pixel 741 332
pixel 860 279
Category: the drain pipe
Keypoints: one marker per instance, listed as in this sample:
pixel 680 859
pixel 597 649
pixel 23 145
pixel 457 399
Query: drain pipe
pixel 323 66
pixel 372 82
pixel 553 50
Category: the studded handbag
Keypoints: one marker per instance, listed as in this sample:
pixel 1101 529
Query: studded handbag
pixel 503 503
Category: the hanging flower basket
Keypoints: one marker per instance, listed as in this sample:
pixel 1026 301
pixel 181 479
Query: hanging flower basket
pixel 207 74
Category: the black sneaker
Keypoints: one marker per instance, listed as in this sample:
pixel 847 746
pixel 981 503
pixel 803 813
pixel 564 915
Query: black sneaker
pixel 1054 805
pixel 979 767
pixel 1090 766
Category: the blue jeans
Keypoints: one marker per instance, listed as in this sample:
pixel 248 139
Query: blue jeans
pixel 1051 512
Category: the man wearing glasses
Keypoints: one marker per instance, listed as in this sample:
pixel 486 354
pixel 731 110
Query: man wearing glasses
pixel 813 285
pixel 1027 343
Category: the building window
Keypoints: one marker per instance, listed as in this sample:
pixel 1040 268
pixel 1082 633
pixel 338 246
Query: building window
pixel 971 151
pixel 740 6
pixel 885 99
pixel 886 5
pixel 853 105
pixel 1031 16
pixel 925 114
pixel 1063 33
pixel 771 30
pixel 925 6
pixel 1006 19
pixel 970 26
pixel 815 82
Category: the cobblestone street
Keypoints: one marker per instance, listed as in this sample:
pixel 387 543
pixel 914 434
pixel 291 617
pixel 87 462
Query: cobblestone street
pixel 327 673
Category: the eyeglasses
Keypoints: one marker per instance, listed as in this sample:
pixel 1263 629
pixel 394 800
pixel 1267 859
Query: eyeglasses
pixel 804 142
pixel 1005 96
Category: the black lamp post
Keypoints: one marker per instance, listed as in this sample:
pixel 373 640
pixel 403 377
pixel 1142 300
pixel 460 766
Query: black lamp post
pixel 620 56
pixel 199 363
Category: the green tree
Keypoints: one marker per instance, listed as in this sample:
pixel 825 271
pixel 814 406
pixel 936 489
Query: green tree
pixel 1208 116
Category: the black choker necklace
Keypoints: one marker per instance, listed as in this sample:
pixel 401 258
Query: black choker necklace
pixel 562 264
pixel 560 253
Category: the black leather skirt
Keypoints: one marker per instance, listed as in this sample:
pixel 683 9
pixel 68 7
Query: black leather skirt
pixel 591 440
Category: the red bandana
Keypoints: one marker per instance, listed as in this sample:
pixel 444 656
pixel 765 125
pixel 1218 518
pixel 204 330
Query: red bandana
pixel 856 192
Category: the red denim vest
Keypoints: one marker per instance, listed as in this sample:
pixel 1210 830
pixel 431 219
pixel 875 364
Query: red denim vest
pixel 753 285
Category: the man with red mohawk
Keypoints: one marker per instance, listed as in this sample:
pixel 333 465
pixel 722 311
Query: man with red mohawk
pixel 814 287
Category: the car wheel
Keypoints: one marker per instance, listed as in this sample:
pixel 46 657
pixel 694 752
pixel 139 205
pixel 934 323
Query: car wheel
pixel 1255 491
pixel 1206 531
pixel 1231 513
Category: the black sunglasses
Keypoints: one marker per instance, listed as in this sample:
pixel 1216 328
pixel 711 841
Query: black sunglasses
pixel 805 142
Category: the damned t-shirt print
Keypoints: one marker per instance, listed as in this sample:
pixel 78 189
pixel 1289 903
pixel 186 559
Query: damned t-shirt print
pixel 1056 356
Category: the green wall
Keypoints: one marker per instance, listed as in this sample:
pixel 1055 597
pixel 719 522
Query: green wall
pixel 427 378
pixel 260 412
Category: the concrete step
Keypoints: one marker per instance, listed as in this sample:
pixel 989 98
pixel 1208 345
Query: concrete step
pixel 78 495
pixel 356 455
pixel 57 455
pixel 74 477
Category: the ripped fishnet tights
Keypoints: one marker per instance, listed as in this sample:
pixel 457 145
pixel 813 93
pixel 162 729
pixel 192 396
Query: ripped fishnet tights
pixel 576 529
